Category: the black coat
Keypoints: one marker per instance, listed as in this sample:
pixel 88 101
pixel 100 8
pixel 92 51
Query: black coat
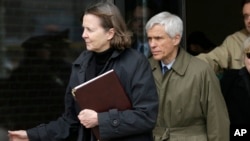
pixel 135 74
pixel 235 86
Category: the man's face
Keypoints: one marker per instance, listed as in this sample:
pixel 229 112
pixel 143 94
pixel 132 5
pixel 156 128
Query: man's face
pixel 140 16
pixel 161 45
pixel 246 15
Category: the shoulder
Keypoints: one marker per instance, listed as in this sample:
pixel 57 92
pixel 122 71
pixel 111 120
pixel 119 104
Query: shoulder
pixel 230 74
pixel 132 55
pixel 193 62
pixel 198 66
pixel 132 52
pixel 81 59
pixel 238 35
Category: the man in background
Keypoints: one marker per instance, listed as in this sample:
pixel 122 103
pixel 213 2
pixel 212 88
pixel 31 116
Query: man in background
pixel 139 15
pixel 228 54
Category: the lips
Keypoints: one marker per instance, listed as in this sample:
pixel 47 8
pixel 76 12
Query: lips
pixel 155 52
pixel 87 43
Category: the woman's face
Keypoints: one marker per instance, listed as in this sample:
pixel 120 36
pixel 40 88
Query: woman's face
pixel 247 61
pixel 96 37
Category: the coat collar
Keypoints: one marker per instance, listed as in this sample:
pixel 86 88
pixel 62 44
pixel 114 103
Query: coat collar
pixel 81 63
pixel 182 61
pixel 180 65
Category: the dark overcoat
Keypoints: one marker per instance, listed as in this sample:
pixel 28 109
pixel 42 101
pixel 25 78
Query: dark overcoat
pixel 136 124
pixel 235 85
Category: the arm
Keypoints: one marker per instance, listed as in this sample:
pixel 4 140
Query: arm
pixel 217 58
pixel 139 84
pixel 227 55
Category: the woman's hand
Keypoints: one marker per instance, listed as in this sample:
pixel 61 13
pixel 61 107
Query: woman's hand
pixel 20 135
pixel 88 118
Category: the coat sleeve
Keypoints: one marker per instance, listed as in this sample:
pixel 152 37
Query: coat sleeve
pixel 226 55
pixel 214 108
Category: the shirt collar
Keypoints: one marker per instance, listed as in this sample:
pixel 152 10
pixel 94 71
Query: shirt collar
pixel 169 66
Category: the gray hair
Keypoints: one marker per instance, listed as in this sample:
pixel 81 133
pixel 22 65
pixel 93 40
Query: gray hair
pixel 172 23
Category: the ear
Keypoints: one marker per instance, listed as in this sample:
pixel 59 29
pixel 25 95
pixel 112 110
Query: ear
pixel 110 33
pixel 177 40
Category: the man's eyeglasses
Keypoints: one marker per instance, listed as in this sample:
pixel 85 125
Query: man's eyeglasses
pixel 248 55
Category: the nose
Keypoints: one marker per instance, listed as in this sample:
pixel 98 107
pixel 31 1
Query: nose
pixel 84 34
pixel 152 43
pixel 247 17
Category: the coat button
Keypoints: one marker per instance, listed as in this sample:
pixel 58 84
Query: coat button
pixel 179 111
pixel 115 122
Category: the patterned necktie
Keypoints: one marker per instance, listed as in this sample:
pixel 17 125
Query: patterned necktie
pixel 164 69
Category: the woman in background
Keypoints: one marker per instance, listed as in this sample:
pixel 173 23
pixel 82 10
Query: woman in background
pixel 235 85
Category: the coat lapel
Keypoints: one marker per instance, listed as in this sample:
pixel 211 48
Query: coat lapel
pixel 81 64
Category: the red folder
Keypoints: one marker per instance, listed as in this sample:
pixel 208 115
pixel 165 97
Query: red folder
pixel 102 93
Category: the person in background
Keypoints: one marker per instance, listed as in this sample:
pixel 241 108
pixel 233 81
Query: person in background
pixel 108 47
pixel 191 103
pixel 235 85
pixel 33 86
pixel 197 43
pixel 58 63
pixel 228 54
pixel 140 14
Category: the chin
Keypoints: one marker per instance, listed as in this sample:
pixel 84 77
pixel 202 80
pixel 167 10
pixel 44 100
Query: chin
pixel 89 48
pixel 248 29
pixel 157 57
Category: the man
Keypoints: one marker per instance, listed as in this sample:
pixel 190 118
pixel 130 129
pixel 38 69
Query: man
pixel 140 14
pixel 191 104
pixel 228 54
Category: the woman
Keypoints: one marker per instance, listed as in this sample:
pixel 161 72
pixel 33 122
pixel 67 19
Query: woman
pixel 107 42
pixel 235 85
